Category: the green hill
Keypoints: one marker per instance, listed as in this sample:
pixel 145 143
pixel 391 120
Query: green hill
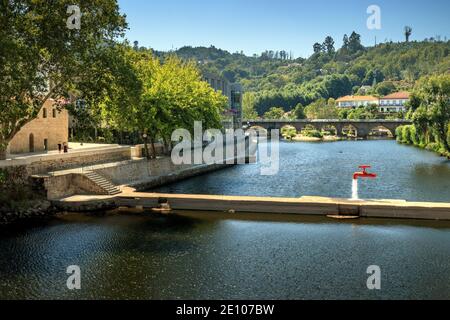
pixel 274 79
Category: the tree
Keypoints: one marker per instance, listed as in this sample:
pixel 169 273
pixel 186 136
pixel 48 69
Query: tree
pixel 385 88
pixel 317 47
pixel 248 106
pixel 321 109
pixel 274 113
pixel 345 42
pixel 373 77
pixel 431 97
pixel 354 43
pixel 329 44
pixel 172 96
pixel 299 112
pixel 408 33
pixel 41 58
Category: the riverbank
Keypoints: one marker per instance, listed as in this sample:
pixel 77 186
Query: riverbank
pixel 409 135
pixel 28 184
pixel 18 211
pixel 303 138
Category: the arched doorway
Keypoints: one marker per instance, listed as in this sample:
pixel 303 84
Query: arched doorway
pixel 31 143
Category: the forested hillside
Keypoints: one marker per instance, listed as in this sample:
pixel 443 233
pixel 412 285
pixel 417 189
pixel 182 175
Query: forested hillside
pixel 275 79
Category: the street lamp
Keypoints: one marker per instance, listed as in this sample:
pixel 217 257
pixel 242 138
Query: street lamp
pixel 145 136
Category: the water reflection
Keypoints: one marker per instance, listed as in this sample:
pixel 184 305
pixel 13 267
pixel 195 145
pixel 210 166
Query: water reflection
pixel 204 255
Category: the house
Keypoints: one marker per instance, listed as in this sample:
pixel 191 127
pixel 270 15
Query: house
pixel 395 102
pixel 356 101
pixel 50 128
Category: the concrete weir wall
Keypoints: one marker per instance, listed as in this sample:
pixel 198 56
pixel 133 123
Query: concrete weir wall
pixel 301 206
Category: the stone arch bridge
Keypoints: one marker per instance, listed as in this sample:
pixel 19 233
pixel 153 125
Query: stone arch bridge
pixel 362 127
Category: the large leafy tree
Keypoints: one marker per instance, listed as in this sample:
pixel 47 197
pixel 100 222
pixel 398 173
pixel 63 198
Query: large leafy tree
pixel 167 95
pixel 431 105
pixel 322 109
pixel 42 58
pixel 275 113
pixel 248 106
pixel 354 42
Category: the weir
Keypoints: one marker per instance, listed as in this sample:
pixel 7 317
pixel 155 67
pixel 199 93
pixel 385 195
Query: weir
pixel 319 206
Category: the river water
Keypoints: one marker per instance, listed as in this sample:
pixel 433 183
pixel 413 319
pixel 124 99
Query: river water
pixel 220 256
pixel 326 169
pixel 210 256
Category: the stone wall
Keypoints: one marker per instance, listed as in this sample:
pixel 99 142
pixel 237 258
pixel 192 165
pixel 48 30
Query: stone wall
pixel 133 172
pixel 52 128
pixel 21 196
pixel 40 164
pixel 66 185
pixel 143 174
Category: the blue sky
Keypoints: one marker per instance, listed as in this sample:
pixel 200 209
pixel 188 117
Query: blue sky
pixel 293 25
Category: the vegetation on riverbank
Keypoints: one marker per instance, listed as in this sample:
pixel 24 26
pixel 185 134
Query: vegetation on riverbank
pixel 307 135
pixel 430 113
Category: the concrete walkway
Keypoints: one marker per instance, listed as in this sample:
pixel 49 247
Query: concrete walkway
pixel 29 158
pixel 301 206
pixel 73 147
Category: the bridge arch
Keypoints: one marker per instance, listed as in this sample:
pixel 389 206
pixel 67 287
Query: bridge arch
pixel 349 130
pixel 259 129
pixel 288 131
pixel 362 128
pixel 381 130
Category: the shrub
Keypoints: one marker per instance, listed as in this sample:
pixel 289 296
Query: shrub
pixel 406 134
pixel 3 176
pixel 289 132
pixel 448 135
pixel 414 135
pixel 399 133
pixel 313 134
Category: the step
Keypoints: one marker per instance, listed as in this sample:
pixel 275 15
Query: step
pixel 109 187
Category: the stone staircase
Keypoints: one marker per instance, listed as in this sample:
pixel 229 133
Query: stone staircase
pixel 109 187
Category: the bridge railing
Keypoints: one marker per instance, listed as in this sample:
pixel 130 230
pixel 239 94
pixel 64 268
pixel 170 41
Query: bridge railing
pixel 327 120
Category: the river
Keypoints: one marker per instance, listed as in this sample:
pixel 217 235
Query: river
pixel 326 169
pixel 194 255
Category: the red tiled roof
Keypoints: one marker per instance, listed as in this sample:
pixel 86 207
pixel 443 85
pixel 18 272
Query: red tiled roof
pixel 397 95
pixel 357 98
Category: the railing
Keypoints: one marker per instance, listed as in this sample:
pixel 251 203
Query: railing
pixel 328 120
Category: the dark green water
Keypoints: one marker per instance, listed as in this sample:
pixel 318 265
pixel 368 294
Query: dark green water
pixel 209 256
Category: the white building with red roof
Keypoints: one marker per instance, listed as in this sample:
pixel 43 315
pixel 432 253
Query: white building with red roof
pixel 353 102
pixel 395 102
